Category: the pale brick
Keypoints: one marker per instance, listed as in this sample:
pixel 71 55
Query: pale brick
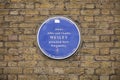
pixel 14 12
pixel 73 70
pixel 34 18
pixel 27 77
pixel 117 18
pixel 12 37
pixel 13 44
pixel 88 18
pixel 27 63
pixel 89 71
pixel 12 70
pixel 27 37
pixel 16 5
pixel 43 77
pixel 27 50
pixel 115 25
pixel 12 77
pixel 88 45
pixel 44 5
pixel 91 6
pixel 103 44
pixel 90 64
pixel 74 5
pixel 3 64
pixel 117 44
pixel 28 70
pixel 60 12
pixel 43 70
pixel 105 64
pixel 14 18
pixel 105 71
pixel 90 38
pixel 104 51
pixel 105 5
pixel 115 77
pixel 29 12
pixel 59 70
pixel 90 12
pixel 90 51
pixel 1 44
pixel 115 51
pixel 3 51
pixel 88 77
pixel 4 12
pixel 105 11
pixel 117 32
pixel 115 38
pixel 105 38
pixel 13 58
pixel 104 25
pixel 44 12
pixel 104 18
pixel 104 58
pixel 12 64
pixel 104 32
pixel 29 5
pixel 104 77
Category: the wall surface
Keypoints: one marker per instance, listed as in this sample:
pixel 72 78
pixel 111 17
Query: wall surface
pixel 98 57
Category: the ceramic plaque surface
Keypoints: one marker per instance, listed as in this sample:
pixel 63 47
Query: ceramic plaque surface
pixel 58 37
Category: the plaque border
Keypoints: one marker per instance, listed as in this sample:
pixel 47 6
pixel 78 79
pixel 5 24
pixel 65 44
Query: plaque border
pixel 71 52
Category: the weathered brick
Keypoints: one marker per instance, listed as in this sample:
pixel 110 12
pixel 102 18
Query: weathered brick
pixel 3 64
pixel 27 25
pixel 104 77
pixel 91 6
pixel 117 18
pixel 105 11
pixel 27 77
pixel 3 51
pixel 12 64
pixel 44 12
pixel 105 64
pixel 74 12
pixel 13 58
pixel 115 38
pixel 105 5
pixel 88 77
pixel 104 51
pixel 115 11
pixel 60 12
pixel 2 5
pixel 90 64
pixel 13 44
pixel 12 77
pixel 105 38
pixel 115 51
pixel 12 37
pixel 44 5
pixel 27 37
pixel 34 18
pixel 29 12
pixel 104 58
pixel 104 25
pixel 103 44
pixel 12 70
pixel 90 12
pixel 43 77
pixel 29 5
pixel 59 70
pixel 4 12
pixel 28 70
pixel 90 38
pixel 43 70
pixel 104 18
pixel 88 18
pixel 14 18
pixel 115 77
pixel 90 51
pixel 14 12
pixel 74 5
pixel 16 5
pixel 73 70
pixel 1 44
pixel 89 71
pixel 117 44
pixel 105 71
pixel 88 45
pixel 27 50
pixel 27 63
pixel 117 31
pixel 115 25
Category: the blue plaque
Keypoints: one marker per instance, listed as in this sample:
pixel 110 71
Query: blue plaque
pixel 58 37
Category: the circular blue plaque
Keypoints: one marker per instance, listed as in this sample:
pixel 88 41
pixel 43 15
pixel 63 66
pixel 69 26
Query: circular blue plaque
pixel 58 37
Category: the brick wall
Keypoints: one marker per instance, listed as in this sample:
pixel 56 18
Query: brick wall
pixel 98 58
